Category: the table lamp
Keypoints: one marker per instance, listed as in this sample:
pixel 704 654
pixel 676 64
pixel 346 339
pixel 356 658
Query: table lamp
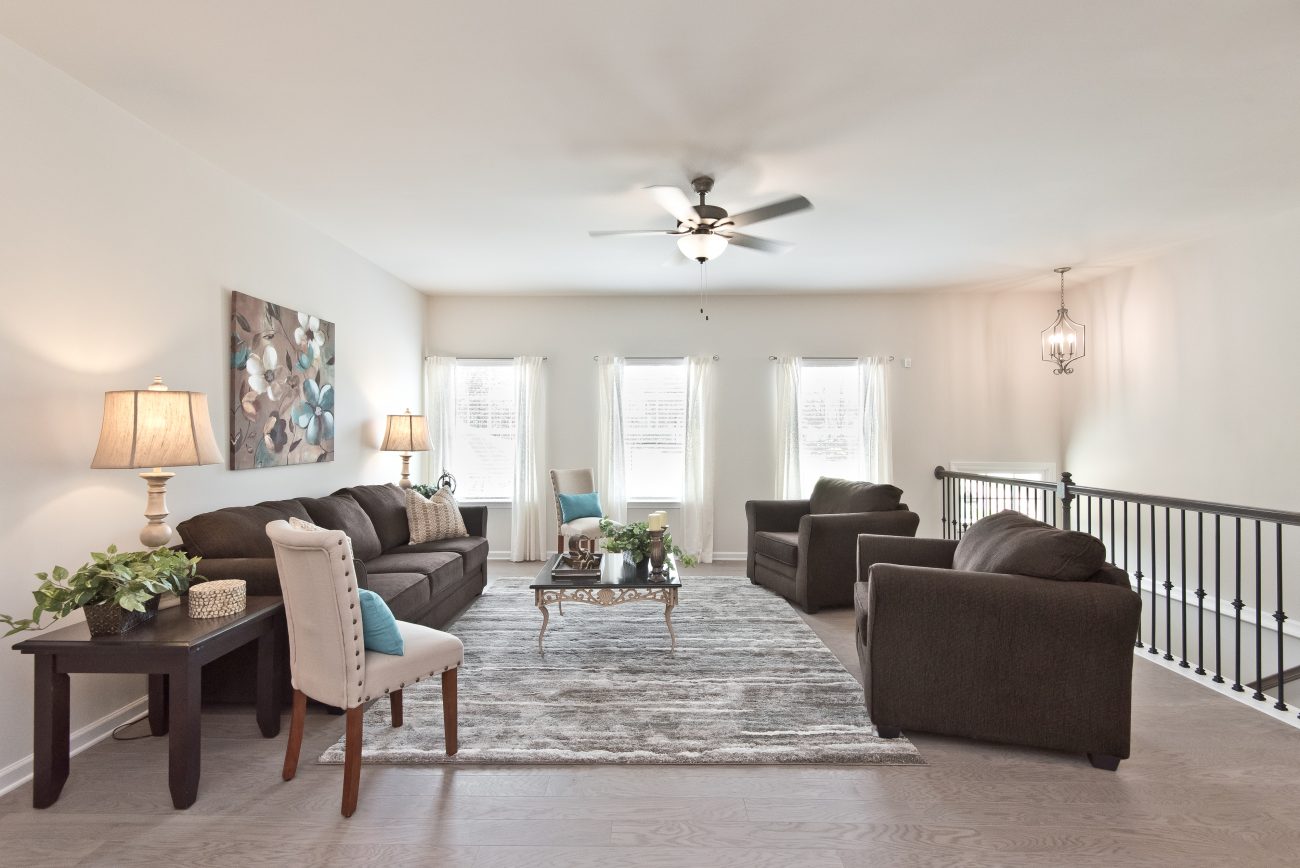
pixel 406 433
pixel 155 428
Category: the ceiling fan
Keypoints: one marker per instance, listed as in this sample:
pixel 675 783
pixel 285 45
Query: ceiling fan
pixel 704 231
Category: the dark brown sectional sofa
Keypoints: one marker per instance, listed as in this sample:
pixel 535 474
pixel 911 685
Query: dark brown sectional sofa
pixel 427 584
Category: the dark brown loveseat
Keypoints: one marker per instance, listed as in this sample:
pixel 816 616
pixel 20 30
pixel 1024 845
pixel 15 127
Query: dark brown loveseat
pixel 424 584
pixel 1020 634
pixel 806 550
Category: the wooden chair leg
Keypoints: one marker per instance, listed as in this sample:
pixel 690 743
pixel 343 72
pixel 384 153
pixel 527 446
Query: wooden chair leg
pixel 395 706
pixel 296 722
pixel 449 711
pixel 352 761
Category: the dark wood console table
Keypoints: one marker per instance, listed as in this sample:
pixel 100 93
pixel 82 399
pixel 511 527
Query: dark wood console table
pixel 171 649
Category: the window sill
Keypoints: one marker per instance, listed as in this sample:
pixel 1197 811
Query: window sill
pixel 490 504
pixel 655 504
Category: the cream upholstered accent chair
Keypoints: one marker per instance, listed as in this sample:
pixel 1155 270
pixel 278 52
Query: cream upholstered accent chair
pixel 573 482
pixel 327 658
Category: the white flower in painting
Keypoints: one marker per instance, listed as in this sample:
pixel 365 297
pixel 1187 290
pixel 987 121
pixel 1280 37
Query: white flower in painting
pixel 265 376
pixel 308 334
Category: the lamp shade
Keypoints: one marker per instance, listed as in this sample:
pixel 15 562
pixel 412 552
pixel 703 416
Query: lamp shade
pixel 155 427
pixel 702 246
pixel 406 432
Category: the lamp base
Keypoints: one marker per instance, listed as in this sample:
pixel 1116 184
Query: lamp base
pixel 157 532
pixel 406 471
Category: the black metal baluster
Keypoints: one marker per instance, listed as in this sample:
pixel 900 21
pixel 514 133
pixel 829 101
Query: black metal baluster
pixel 1280 616
pixel 1169 587
pixel 1182 605
pixel 1258 695
pixel 1218 603
pixel 1200 593
pixel 943 506
pixel 1137 575
pixel 1113 560
pixel 1237 604
pixel 1090 513
pixel 1155 574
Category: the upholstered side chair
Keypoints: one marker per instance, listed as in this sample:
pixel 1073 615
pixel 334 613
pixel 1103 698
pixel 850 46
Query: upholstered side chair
pixel 581 481
pixel 327 659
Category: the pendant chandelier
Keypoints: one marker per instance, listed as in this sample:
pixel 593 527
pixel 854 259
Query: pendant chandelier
pixel 1064 341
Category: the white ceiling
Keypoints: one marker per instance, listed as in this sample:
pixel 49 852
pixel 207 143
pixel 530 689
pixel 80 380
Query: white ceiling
pixel 468 147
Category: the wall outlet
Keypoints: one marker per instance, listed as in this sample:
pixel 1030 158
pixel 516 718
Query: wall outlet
pixel 907 361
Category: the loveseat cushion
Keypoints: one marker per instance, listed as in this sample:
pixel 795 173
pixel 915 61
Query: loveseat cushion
pixel 341 512
pixel 832 495
pixel 1012 542
pixel 407 594
pixel 472 549
pixel 237 531
pixel 778 546
pixel 440 567
pixel 386 507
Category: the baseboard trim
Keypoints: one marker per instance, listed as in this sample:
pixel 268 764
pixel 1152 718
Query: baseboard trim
pixel 18 773
pixel 1244 697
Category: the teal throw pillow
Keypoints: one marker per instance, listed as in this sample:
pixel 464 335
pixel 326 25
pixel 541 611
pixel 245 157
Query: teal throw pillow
pixel 580 506
pixel 378 626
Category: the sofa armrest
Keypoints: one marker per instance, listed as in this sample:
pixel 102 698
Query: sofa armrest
pixel 475 518
pixel 999 657
pixel 260 573
pixel 879 549
pixel 828 546
pixel 775 515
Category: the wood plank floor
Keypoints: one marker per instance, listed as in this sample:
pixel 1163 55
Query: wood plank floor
pixel 1210 783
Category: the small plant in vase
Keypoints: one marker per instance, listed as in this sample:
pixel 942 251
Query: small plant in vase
pixel 118 590
pixel 633 541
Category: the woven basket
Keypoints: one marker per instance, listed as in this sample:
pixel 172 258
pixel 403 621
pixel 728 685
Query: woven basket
pixel 218 599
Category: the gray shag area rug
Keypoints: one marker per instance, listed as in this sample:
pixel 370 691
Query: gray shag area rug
pixel 749 683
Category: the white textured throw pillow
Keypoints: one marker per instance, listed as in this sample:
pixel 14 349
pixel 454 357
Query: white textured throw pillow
pixel 298 524
pixel 433 518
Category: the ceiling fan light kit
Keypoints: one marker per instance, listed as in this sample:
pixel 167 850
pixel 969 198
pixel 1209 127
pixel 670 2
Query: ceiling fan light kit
pixel 704 231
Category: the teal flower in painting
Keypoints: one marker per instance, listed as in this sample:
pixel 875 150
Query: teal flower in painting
pixel 316 412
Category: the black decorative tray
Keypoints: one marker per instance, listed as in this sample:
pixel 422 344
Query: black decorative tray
pixel 565 569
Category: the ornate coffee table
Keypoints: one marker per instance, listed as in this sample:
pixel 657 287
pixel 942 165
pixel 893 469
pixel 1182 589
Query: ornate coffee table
pixel 617 583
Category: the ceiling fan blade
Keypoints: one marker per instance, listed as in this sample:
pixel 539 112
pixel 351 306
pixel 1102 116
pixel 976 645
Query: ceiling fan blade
pixel 767 212
pixel 674 201
pixel 766 245
pixel 602 233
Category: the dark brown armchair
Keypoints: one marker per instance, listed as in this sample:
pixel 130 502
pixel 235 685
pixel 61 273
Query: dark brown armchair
pixel 993 652
pixel 806 550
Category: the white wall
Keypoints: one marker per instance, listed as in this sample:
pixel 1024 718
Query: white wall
pixel 976 388
pixel 1189 388
pixel 118 251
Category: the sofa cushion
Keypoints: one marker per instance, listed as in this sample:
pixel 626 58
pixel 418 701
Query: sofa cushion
pixel 1111 575
pixel 439 566
pixel 340 512
pixel 778 546
pixel 407 594
pixel 472 549
pixel 237 531
pixel 1012 542
pixel 386 507
pixel 832 495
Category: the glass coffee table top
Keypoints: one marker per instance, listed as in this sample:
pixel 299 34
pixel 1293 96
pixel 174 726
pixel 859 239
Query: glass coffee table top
pixel 615 572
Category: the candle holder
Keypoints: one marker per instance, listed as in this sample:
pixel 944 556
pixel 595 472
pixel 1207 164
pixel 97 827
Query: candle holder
pixel 657 553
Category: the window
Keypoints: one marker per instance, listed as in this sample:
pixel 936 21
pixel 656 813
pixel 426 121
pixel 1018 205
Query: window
pixel 830 422
pixel 654 429
pixel 1035 471
pixel 484 439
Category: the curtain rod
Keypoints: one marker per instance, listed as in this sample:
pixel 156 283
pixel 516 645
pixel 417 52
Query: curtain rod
pixel 653 358
pixel 484 358
pixel 826 358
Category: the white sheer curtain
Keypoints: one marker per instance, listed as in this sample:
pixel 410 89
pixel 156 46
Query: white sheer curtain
pixel 527 506
pixel 697 501
pixel 788 485
pixel 877 431
pixel 611 455
pixel 440 408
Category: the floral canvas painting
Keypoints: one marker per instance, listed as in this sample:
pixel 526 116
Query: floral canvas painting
pixel 281 385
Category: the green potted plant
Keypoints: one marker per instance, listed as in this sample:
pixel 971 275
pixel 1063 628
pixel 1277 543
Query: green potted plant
pixel 633 540
pixel 118 590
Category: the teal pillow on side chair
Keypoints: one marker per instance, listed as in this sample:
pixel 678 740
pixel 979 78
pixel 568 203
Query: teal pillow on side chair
pixel 378 626
pixel 580 506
